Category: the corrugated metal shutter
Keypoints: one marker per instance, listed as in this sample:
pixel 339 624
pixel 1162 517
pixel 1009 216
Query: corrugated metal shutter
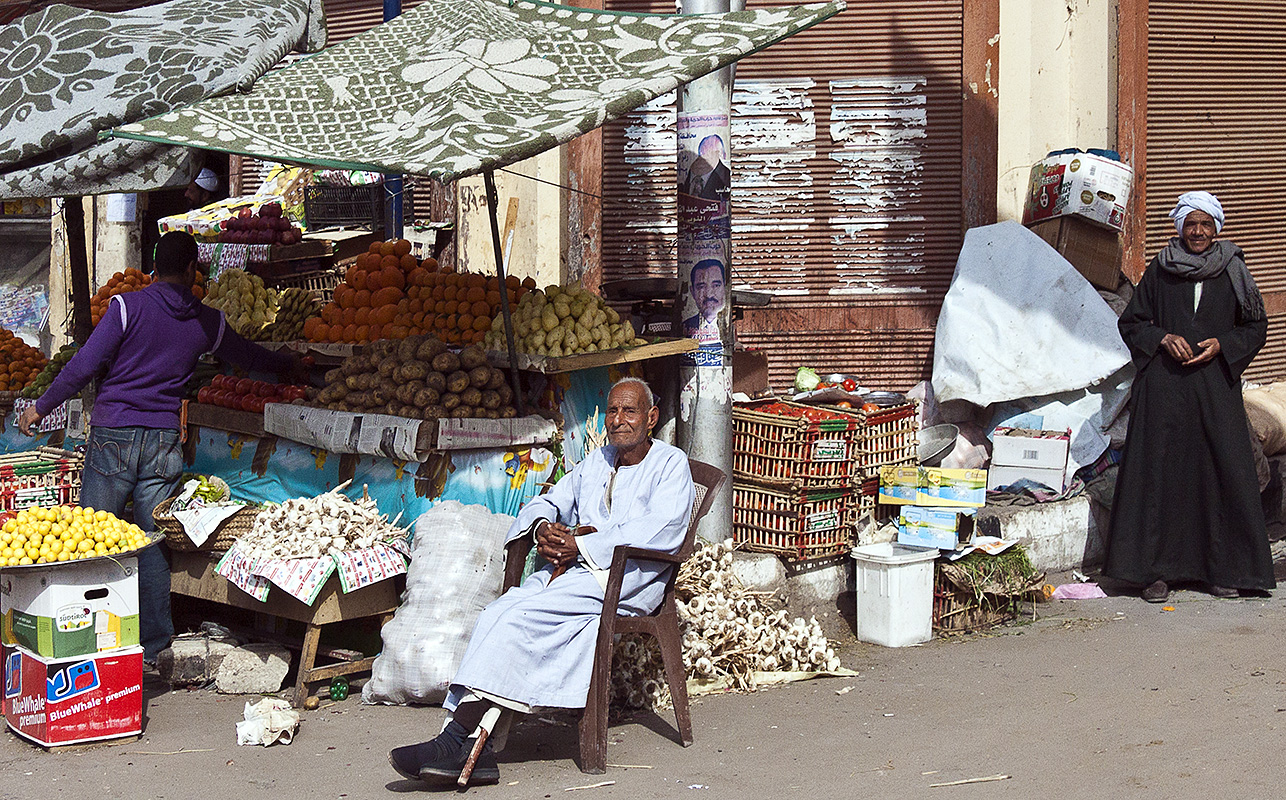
pixel 344 20
pixel 846 202
pixel 1216 104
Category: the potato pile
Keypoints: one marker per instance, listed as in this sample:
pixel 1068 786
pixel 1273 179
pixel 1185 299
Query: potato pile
pixel 243 299
pixel 562 321
pixel 294 305
pixel 419 378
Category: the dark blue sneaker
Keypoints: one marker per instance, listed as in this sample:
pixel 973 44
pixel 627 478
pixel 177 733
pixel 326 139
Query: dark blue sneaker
pixel 446 769
pixel 408 760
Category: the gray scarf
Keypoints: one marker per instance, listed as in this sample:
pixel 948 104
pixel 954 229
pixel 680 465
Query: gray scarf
pixel 1221 255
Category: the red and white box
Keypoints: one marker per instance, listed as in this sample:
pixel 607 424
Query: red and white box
pixel 72 700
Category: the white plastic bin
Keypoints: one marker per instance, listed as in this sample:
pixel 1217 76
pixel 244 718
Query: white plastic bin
pixel 894 594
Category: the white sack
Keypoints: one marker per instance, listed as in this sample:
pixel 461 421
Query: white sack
pixel 456 569
pixel 1019 321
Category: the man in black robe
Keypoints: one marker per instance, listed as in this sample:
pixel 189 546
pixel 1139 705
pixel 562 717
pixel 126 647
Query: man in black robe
pixel 1187 506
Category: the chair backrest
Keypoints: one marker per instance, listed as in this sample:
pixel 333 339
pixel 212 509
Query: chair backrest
pixel 706 481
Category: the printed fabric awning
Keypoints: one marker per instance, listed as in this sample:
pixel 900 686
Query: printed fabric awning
pixel 68 74
pixel 457 87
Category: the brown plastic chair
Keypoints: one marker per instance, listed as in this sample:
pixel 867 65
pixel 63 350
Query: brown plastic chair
pixel 662 624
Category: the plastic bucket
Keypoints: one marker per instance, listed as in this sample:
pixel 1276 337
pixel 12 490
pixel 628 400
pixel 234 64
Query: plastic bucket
pixel 894 594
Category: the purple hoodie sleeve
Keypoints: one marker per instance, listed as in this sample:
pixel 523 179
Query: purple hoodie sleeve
pixel 250 356
pixel 92 358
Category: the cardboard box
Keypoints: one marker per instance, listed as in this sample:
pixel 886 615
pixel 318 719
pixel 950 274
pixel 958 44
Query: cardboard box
pixel 960 488
pixel 71 609
pixel 899 485
pixel 1039 455
pixel 1091 186
pixel 1094 251
pixel 1018 447
pixel 67 701
pixel 1002 475
pixel 943 528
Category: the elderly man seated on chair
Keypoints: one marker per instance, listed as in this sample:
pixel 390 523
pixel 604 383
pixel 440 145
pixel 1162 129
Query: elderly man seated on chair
pixel 534 646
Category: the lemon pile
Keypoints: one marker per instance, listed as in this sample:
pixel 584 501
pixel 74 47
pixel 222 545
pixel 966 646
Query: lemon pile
pixel 65 533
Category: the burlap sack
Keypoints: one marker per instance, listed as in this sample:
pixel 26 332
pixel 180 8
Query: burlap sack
pixel 1266 410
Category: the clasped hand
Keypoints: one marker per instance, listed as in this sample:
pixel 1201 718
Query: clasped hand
pixel 556 543
pixel 1181 351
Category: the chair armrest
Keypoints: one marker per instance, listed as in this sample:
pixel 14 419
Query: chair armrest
pixel 515 561
pixel 623 553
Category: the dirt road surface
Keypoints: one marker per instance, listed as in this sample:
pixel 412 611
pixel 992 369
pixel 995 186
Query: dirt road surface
pixel 1109 698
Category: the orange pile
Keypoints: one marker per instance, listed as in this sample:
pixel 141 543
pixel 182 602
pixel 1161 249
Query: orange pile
pixel 388 294
pixel 20 363
pixel 131 280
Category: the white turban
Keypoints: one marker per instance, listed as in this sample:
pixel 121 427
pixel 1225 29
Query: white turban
pixel 1197 201
pixel 207 180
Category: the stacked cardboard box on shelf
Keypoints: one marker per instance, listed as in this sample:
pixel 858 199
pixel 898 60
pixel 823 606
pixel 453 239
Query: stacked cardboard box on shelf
pixel 73 668
pixel 805 478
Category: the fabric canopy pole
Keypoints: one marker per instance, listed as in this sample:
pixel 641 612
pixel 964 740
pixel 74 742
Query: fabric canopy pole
pixel 458 87
pixel 493 202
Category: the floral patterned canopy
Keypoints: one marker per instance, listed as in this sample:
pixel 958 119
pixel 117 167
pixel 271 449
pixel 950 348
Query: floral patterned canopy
pixel 67 74
pixel 457 87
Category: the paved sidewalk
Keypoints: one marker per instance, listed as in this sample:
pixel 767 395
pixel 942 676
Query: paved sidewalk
pixel 1105 698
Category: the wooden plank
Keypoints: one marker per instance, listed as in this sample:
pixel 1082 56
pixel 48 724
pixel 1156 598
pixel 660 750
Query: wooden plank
pixel 602 358
pixel 193 575
pixel 225 419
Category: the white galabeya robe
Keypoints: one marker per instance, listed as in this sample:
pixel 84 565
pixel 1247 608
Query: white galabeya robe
pixel 535 644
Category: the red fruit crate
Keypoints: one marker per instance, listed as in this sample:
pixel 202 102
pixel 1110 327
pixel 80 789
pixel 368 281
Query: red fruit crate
pixel 795 446
pixel 43 477
pixel 811 523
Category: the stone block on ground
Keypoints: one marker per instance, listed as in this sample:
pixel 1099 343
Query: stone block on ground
pixel 191 661
pixel 253 669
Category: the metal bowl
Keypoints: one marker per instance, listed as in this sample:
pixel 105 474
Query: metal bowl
pixel 840 377
pixel 935 442
pixel 885 399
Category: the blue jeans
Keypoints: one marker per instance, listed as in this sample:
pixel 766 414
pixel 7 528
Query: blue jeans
pixel 144 463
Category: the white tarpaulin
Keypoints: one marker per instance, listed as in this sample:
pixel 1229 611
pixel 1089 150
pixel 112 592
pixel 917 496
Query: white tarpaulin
pixel 1020 322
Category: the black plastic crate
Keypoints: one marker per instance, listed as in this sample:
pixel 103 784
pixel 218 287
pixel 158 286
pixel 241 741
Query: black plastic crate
pixel 328 206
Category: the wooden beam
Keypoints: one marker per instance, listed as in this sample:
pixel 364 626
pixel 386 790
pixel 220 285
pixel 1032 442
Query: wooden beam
pixel 78 259
pixel 1132 125
pixel 980 72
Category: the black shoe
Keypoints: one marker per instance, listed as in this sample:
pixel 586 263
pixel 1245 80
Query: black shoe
pixel 1158 592
pixel 446 769
pixel 408 760
pixel 1224 592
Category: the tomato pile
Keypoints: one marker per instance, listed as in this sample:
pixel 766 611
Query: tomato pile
pixel 807 412
pixel 244 394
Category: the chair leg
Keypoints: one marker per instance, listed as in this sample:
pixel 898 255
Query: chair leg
pixel 593 721
pixel 671 643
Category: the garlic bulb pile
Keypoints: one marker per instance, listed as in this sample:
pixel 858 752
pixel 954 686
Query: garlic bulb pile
pixel 727 631
pixel 311 527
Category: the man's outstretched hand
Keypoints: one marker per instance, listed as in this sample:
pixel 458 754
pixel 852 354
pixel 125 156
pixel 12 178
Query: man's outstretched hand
pixel 30 416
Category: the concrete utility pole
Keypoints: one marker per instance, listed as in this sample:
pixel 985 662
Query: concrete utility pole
pixel 393 184
pixel 704 306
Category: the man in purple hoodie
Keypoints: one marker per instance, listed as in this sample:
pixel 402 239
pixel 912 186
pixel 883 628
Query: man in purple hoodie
pixel 145 349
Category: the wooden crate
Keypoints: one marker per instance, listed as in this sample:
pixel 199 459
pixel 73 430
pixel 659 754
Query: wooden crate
pixel 43 477
pixel 811 523
pixel 794 452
